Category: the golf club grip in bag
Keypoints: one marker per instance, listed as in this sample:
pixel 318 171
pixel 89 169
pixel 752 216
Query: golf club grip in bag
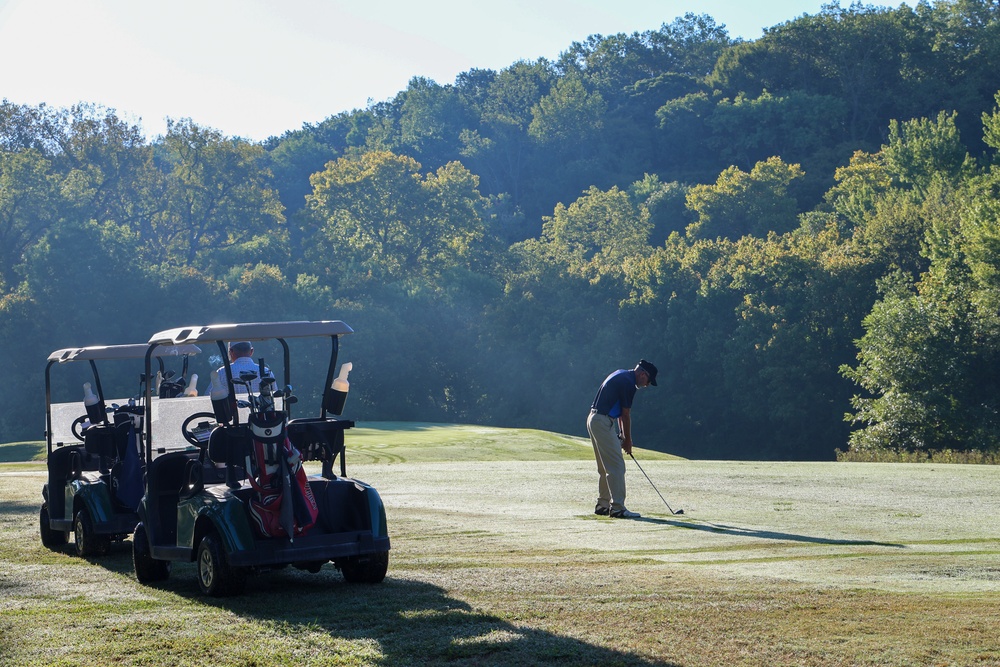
pixel 285 504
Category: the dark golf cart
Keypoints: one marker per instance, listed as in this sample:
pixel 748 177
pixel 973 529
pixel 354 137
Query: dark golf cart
pixel 240 502
pixel 94 448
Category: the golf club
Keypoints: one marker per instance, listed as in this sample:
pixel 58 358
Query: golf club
pixel 654 486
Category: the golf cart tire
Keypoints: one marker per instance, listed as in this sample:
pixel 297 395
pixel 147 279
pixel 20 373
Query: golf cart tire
pixel 215 576
pixel 369 569
pixel 51 539
pixel 147 568
pixel 87 542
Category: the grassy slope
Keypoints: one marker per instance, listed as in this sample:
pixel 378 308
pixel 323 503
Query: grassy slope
pixel 497 560
pixel 383 442
pixel 413 442
pixel 18 452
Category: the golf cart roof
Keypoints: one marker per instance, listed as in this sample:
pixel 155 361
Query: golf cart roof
pixel 135 351
pixel 251 331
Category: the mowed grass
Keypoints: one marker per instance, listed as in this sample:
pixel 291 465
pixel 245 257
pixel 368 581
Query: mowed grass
pixel 497 559
pixel 411 442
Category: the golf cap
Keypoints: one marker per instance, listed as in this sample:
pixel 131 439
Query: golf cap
pixel 650 370
pixel 241 347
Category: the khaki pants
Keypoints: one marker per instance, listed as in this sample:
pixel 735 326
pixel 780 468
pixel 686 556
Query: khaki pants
pixel 610 461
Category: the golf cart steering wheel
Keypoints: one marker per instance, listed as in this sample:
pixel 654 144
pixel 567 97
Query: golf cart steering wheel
pixel 75 428
pixel 189 433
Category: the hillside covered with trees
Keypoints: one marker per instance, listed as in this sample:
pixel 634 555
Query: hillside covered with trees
pixel 801 231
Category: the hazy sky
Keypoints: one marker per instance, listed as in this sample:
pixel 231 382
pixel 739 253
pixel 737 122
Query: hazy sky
pixel 257 68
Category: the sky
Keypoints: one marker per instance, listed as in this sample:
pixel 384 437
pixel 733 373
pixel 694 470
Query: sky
pixel 259 68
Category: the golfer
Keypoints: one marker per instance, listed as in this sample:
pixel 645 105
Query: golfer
pixel 613 404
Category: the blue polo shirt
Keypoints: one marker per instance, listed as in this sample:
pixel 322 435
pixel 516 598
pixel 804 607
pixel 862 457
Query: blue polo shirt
pixel 616 393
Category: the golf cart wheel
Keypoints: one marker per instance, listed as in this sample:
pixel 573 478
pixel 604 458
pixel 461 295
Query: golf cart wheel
pixel 51 539
pixel 147 568
pixel 369 569
pixel 215 576
pixel 88 543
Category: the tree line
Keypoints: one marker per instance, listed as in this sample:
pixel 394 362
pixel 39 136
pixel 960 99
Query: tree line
pixel 799 230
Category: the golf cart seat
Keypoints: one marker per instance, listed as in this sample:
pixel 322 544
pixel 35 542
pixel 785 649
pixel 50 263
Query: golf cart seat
pixel 120 467
pixel 67 462
pixel 107 442
pixel 229 446
pixel 319 439
pixel 164 482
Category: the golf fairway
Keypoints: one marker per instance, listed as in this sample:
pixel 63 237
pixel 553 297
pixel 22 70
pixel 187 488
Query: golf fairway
pixel 497 558
pixel 931 528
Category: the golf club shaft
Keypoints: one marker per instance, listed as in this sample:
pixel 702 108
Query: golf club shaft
pixel 651 483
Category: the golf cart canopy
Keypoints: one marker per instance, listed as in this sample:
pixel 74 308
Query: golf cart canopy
pixel 137 351
pixel 254 331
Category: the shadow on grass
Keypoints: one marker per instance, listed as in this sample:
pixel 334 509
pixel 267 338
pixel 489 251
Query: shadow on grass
pixel 411 622
pixel 763 534
pixel 22 452
pixel 19 507
pixel 406 426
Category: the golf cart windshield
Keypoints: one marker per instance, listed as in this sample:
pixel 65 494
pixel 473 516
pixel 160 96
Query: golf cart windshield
pixel 262 334
pixel 164 430
pixel 61 415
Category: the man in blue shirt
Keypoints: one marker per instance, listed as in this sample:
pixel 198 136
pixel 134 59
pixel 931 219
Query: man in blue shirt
pixel 613 405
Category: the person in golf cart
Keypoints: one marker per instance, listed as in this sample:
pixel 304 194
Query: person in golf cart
pixel 241 361
pixel 613 406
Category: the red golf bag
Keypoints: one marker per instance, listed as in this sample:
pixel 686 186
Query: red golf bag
pixel 285 504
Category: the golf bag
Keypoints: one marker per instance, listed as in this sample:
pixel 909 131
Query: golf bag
pixel 285 504
pixel 126 475
pixel 115 447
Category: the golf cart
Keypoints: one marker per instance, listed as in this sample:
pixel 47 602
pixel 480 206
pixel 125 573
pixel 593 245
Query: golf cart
pixel 239 501
pixel 94 459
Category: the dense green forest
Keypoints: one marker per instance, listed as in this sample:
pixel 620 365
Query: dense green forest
pixel 801 231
